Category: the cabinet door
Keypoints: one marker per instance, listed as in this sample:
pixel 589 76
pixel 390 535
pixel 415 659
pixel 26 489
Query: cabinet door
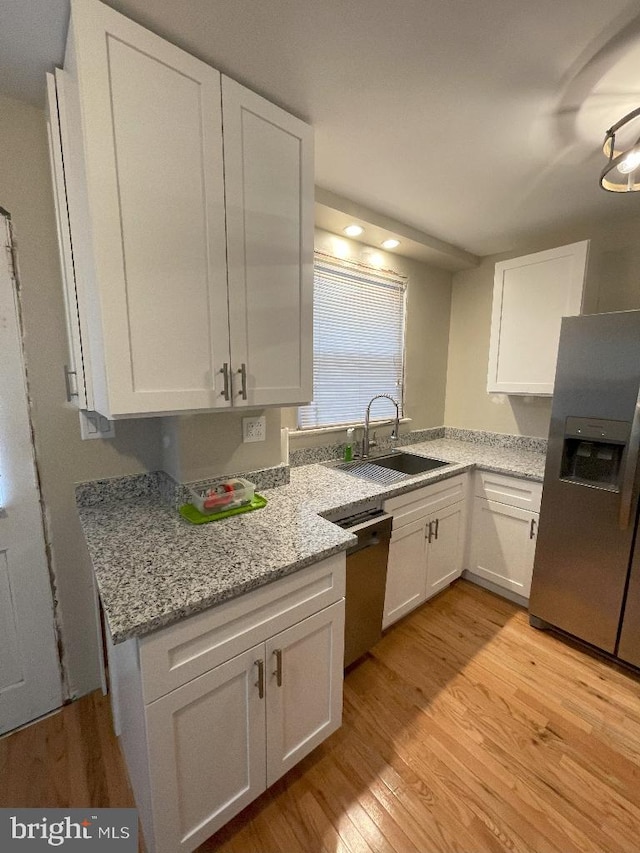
pixel 304 688
pixel 445 552
pixel 503 545
pixel 206 752
pixel 406 572
pixel 530 296
pixel 78 378
pixel 268 162
pixel 153 248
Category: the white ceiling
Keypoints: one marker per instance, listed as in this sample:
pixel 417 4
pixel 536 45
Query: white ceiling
pixel 476 123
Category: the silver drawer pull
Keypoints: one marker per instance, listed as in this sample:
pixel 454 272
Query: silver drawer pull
pixel 243 375
pixel 278 670
pixel 224 370
pixel 260 682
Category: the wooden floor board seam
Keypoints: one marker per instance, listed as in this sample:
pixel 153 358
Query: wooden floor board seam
pixel 464 730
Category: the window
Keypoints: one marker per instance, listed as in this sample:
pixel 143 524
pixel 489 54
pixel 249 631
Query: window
pixel 358 348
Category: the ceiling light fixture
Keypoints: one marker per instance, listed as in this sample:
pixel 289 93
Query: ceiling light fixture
pixel 618 176
pixel 390 244
pixel 353 230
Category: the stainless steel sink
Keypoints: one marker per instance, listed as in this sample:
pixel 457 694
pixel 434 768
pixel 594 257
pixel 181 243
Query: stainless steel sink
pixel 408 463
pixel 390 469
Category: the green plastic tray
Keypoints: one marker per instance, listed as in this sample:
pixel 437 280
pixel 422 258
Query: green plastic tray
pixel 193 514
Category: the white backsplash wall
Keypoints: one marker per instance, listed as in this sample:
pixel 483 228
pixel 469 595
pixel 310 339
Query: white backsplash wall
pixel 199 447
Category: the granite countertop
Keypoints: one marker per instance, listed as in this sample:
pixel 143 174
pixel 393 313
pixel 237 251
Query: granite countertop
pixel 154 568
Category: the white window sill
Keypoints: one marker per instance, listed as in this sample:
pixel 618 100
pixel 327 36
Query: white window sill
pixel 299 433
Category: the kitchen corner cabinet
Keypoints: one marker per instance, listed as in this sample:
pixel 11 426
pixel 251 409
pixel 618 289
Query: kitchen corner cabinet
pixel 427 545
pixel 531 294
pixel 190 211
pixel 504 531
pixel 214 709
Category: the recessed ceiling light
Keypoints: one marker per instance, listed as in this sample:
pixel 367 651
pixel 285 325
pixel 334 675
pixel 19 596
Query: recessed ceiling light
pixel 390 244
pixel 353 230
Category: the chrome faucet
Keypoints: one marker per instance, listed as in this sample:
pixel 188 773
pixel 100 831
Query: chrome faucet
pixel 366 443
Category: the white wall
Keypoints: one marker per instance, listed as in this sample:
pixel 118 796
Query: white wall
pixel 63 459
pixel 196 447
pixel 613 284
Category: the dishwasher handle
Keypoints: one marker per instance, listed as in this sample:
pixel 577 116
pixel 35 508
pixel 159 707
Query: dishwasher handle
pixel 371 533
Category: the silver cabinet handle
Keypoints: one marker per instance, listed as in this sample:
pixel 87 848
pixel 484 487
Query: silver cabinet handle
pixel 435 536
pixel 532 529
pixel 242 370
pixel 224 370
pixel 67 383
pixel 260 682
pixel 278 671
pixel 629 473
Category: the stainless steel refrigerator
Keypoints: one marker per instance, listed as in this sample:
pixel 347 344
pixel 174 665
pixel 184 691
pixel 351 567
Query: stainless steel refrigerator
pixel 586 577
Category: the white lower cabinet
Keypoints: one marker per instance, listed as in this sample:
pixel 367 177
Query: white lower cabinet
pixel 427 545
pixel 206 752
pixel 205 749
pixel 406 572
pixel 445 550
pixel 304 688
pixel 504 530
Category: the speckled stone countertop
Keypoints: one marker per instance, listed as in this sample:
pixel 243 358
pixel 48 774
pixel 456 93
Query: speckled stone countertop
pixel 154 568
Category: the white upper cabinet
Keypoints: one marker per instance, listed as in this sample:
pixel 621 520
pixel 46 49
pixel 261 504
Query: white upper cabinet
pixel 78 370
pixel 268 170
pixel 150 231
pixel 531 294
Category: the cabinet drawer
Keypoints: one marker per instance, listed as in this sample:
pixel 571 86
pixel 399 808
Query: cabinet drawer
pixel 414 505
pixel 508 490
pixel 184 651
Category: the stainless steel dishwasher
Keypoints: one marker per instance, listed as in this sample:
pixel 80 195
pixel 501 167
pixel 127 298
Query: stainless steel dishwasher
pixel 366 579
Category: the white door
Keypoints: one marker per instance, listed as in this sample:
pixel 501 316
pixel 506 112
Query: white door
pixel 207 751
pixel 503 545
pixel 304 688
pixel 30 682
pixel 406 571
pixel 268 171
pixel 445 551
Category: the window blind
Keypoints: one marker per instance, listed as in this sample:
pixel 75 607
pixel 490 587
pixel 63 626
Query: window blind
pixel 358 349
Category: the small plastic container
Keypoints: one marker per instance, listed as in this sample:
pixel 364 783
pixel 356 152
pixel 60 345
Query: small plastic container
pixel 227 495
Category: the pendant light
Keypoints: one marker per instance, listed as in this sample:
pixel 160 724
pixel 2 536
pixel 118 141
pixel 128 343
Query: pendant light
pixel 622 147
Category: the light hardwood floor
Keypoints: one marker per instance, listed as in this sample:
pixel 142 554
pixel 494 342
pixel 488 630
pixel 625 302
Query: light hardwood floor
pixel 464 730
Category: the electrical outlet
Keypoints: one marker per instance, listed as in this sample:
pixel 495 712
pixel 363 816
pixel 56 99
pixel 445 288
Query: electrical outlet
pixel 254 429
pixel 95 425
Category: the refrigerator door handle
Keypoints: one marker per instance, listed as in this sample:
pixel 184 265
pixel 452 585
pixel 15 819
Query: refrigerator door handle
pixel 629 473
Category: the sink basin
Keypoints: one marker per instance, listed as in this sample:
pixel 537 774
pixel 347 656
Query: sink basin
pixel 389 470
pixel 407 463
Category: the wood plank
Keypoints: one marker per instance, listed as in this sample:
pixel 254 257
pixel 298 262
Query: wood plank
pixel 464 730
